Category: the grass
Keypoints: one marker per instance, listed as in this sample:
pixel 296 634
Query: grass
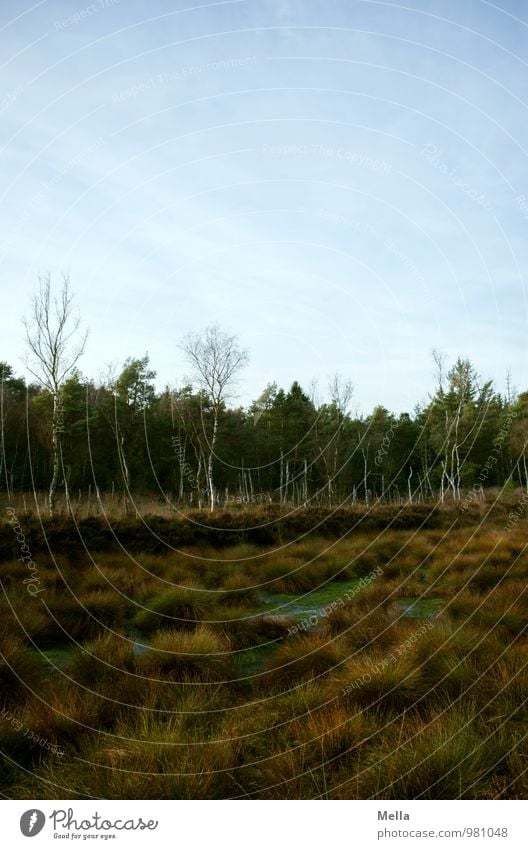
pixel 20 671
pixel 201 655
pixel 182 607
pixel 446 757
pixel 391 663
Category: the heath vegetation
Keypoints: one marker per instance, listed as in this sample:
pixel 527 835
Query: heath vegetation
pixel 191 675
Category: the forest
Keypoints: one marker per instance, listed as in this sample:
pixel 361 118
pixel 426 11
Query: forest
pixel 123 436
pixel 190 446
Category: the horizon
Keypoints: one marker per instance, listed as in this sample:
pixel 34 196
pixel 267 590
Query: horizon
pixel 318 393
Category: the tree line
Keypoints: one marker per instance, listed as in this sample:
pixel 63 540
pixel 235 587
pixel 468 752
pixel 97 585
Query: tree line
pixel 194 447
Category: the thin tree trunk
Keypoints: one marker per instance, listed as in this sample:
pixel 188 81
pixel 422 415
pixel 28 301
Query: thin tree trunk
pixel 3 462
pixel 365 473
pixel 210 462
pixel 126 475
pixel 182 452
pixel 55 444
pixel 198 477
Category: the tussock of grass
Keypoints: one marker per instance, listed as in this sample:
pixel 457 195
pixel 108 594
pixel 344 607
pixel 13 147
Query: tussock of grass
pixel 446 758
pixel 245 629
pixel 334 733
pixel 201 655
pixel 102 660
pixel 305 656
pixel 380 683
pixel 20 671
pixel 372 630
pixel 178 607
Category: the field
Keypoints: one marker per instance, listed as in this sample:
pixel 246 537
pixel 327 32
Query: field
pixel 346 656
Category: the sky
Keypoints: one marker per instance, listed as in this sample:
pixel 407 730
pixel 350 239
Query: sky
pixel 340 183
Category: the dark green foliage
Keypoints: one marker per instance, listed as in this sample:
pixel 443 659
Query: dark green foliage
pixel 123 438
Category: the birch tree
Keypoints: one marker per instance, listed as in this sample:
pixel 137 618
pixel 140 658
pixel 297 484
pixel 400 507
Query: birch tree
pixel 458 414
pixel 329 425
pixel 53 353
pixel 215 359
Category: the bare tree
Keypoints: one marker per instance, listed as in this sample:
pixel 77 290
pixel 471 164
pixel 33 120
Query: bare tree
pixel 439 359
pixel 341 392
pixel 215 358
pixel 53 354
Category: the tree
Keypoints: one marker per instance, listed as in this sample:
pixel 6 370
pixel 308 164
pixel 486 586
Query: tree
pixel 11 390
pixel 329 426
pixel 457 415
pixel 50 332
pixel 133 394
pixel 518 437
pixel 188 412
pixel 215 359
pixel 381 427
pixel 134 386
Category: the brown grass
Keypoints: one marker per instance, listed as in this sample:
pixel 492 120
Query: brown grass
pixel 183 686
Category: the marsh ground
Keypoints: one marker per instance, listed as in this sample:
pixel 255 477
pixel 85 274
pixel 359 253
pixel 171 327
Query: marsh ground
pixel 389 664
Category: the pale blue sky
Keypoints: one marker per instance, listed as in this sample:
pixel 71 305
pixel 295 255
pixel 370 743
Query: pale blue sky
pixel 339 183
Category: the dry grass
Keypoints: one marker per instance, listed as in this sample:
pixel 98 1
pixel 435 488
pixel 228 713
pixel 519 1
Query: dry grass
pixel 163 676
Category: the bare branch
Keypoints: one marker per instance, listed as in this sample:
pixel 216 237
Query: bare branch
pixel 341 392
pixel 49 331
pixel 215 359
